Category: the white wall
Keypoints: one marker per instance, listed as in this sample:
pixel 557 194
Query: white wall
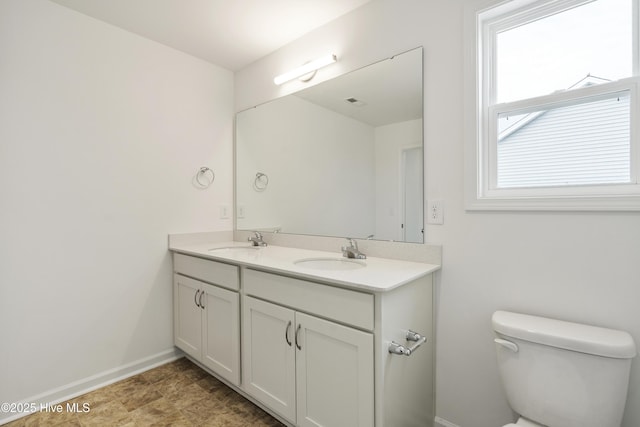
pixel 577 266
pixel 101 133
pixel 390 141
pixel 316 161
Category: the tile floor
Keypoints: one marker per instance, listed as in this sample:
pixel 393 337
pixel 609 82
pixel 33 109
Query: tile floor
pixel 176 394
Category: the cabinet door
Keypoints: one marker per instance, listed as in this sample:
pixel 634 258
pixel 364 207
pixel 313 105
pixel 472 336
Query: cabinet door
pixel 268 355
pixel 187 316
pixel 221 332
pixel 334 370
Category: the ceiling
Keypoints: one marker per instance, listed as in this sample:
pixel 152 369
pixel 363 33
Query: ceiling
pixel 228 33
pixel 389 91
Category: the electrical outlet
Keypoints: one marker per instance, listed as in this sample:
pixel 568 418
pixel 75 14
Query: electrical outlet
pixel 224 211
pixel 435 212
pixel 241 210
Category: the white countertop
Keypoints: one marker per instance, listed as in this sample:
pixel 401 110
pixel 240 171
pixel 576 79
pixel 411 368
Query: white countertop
pixel 379 274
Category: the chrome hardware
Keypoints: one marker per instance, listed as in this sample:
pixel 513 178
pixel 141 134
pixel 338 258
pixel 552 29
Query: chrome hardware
pixel 286 333
pixel 202 172
pixel 507 344
pixel 256 240
pixel 200 299
pixel 195 298
pixel 298 346
pixel 395 348
pixel 260 182
pixel 352 250
pixel 413 336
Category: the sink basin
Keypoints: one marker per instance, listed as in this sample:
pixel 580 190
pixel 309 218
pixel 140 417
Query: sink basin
pixel 331 264
pixel 235 249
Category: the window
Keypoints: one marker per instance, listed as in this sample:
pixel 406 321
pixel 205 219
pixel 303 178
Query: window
pixel 554 107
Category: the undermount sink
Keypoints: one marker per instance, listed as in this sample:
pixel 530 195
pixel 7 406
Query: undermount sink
pixel 335 264
pixel 236 249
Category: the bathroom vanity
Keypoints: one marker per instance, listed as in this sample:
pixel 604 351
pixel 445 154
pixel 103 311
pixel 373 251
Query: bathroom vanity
pixel 314 338
pixel 306 334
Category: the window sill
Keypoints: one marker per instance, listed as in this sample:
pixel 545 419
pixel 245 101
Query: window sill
pixel 565 203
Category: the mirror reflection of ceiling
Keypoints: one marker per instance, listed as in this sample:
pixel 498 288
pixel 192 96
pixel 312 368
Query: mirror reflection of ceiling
pixel 361 96
pixel 228 33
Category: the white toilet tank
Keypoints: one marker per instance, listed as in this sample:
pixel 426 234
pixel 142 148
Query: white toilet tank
pixel 562 374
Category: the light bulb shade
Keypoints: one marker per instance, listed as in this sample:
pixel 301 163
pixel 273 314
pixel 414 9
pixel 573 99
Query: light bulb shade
pixel 307 68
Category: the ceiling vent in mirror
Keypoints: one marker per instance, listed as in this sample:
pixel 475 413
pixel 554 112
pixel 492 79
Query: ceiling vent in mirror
pixel 355 102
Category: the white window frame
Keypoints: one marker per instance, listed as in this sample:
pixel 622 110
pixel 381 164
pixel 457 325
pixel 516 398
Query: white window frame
pixel 481 192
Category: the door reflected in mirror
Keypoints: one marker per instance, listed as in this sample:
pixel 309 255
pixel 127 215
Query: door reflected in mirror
pixel 342 158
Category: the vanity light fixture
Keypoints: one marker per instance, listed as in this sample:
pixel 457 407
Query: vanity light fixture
pixel 309 67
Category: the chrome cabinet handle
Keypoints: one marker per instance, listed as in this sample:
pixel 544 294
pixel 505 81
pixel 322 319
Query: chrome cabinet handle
pixel 395 348
pixel 286 333
pixel 200 299
pixel 298 346
pixel 195 298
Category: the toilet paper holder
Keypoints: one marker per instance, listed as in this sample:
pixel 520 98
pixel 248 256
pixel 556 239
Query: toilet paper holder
pixel 395 348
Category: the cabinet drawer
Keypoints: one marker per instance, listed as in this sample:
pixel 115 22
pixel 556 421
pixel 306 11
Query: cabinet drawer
pixel 346 306
pixel 218 273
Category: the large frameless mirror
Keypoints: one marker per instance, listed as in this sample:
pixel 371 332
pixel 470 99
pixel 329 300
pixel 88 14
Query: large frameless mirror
pixel 341 158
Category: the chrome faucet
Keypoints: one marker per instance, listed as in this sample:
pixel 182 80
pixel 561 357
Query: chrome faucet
pixel 256 240
pixel 352 250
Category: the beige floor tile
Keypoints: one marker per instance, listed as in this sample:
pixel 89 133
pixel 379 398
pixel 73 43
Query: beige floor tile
pixel 205 411
pixel 160 373
pixel 95 398
pixel 185 396
pixel 109 414
pixel 20 422
pixel 125 387
pixel 139 397
pixel 53 418
pixel 176 394
pixel 159 413
pixel 170 386
pixel 194 373
pixel 211 383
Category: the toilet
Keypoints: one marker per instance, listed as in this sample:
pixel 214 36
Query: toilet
pixel 562 374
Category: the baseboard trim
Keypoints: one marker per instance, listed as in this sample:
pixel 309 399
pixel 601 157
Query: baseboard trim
pixel 441 422
pixel 85 385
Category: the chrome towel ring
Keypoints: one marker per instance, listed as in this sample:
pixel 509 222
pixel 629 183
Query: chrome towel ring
pixel 261 181
pixel 202 177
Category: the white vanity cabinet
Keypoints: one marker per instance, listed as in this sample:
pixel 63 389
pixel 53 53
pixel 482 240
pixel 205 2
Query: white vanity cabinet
pixel 318 355
pixel 308 350
pixel 312 350
pixel 268 355
pixel 311 371
pixel 206 315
